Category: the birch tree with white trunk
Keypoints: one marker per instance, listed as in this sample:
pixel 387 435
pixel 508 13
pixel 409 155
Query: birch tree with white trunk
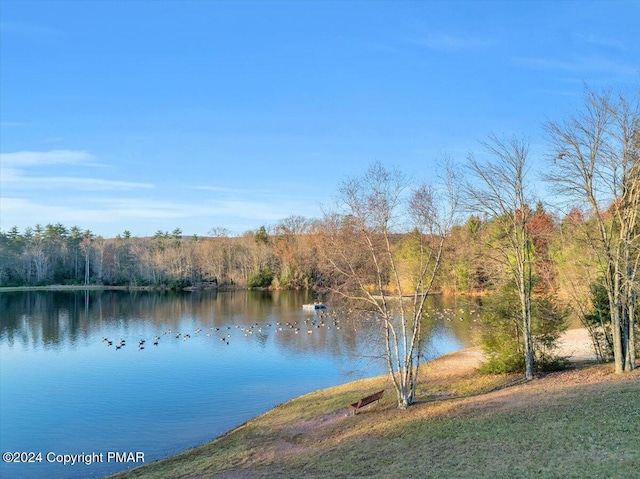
pixel 359 245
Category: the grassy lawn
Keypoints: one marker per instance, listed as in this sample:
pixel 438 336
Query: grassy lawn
pixel 573 424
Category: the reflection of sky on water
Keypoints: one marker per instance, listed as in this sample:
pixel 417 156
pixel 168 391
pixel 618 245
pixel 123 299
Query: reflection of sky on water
pixel 63 389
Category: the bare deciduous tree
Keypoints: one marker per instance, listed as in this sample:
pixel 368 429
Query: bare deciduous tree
pixel 359 243
pixel 596 164
pixel 498 189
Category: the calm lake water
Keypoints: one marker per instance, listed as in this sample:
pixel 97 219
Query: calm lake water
pixel 74 379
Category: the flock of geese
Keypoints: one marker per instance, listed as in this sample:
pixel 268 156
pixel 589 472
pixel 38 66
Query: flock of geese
pixel 449 314
pixel 320 320
pixel 223 333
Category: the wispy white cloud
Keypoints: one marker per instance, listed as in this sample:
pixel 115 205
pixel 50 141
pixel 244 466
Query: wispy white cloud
pixel 594 63
pixel 255 210
pixel 17 172
pixel 601 41
pixel 68 182
pixel 53 157
pixel 108 215
pixel 446 42
pixel 250 209
pixel 41 187
pixel 127 208
pixel 25 213
pixel 102 214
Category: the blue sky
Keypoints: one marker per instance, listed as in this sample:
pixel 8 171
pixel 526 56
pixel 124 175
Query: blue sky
pixel 155 115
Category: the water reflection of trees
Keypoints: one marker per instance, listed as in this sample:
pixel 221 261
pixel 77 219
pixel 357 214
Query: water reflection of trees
pixel 358 338
pixel 60 319
pixel 55 317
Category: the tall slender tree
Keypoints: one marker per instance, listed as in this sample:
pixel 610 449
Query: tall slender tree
pixel 87 250
pixel 498 189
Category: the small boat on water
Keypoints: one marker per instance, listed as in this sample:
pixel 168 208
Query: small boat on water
pixel 314 306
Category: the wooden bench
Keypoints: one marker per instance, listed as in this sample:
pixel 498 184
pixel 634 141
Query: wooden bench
pixel 366 401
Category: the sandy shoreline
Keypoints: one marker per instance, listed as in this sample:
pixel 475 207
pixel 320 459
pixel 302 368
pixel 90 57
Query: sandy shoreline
pixel 576 345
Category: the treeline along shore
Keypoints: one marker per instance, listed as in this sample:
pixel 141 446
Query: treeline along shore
pixel 282 256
